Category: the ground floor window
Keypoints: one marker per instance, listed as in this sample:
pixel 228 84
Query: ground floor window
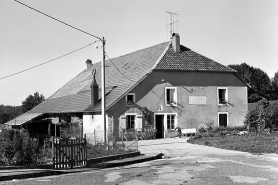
pixel 223 119
pixel 130 121
pixel 170 121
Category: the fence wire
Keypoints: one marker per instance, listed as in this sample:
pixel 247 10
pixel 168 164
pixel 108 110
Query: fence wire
pixel 125 142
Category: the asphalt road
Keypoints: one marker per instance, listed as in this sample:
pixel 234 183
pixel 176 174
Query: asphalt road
pixel 183 163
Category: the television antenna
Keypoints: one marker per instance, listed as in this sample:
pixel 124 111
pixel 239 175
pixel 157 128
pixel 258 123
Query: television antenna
pixel 173 18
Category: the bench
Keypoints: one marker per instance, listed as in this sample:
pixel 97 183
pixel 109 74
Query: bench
pixel 188 131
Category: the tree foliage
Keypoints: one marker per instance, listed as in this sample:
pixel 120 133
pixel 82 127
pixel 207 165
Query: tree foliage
pixel 261 86
pixel 8 113
pixel 31 101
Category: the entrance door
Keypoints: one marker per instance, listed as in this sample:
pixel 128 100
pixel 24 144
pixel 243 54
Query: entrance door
pixel 159 125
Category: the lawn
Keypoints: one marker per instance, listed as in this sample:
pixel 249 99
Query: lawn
pixel 253 143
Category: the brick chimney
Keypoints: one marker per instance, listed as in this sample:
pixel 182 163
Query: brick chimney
pixel 89 63
pixel 94 90
pixel 176 42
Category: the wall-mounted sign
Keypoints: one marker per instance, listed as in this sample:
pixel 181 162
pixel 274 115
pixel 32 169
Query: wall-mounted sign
pixel 159 108
pixel 197 100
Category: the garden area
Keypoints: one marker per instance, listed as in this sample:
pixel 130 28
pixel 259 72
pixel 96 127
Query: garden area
pixel 258 135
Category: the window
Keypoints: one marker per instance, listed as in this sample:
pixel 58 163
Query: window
pixel 130 99
pixel 222 93
pixel 171 96
pixel 223 119
pixel 170 121
pixel 130 121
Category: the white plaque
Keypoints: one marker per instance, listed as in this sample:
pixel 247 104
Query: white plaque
pixel 197 100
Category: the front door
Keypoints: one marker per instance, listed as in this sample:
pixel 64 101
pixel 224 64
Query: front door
pixel 159 125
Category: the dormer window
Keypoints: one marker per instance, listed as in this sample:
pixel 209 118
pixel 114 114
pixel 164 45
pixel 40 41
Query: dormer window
pixel 171 96
pixel 130 99
pixel 222 93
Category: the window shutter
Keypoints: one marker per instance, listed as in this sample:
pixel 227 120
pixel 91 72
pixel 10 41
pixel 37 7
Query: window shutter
pixel 226 95
pixel 123 122
pixel 139 122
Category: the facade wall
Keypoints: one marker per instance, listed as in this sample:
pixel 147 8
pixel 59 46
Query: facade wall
pixel 197 98
pixel 93 127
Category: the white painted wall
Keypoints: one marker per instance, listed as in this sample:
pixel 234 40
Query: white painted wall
pixel 93 127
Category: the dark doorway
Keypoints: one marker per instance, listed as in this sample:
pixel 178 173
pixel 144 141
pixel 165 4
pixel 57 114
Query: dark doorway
pixel 159 125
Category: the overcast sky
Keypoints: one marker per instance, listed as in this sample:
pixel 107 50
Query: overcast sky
pixel 227 31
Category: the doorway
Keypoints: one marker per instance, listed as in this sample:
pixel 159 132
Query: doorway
pixel 159 125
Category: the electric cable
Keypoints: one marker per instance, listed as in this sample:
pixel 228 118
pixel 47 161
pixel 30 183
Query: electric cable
pixel 118 69
pixel 58 20
pixel 48 61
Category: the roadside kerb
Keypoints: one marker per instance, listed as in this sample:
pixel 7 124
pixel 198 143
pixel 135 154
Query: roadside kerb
pixel 10 173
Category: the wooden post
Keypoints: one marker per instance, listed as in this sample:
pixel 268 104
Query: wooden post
pixel 53 152
pixel 85 150
pixel 95 137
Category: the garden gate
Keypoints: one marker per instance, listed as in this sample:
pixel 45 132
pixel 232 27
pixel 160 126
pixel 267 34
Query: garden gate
pixel 69 153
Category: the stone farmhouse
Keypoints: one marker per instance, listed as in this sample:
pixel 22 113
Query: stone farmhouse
pixel 162 86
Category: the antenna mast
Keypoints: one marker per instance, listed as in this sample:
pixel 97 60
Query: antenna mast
pixel 171 22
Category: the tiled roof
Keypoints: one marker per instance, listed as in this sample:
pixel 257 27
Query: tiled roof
pixel 23 118
pixel 188 60
pixel 75 96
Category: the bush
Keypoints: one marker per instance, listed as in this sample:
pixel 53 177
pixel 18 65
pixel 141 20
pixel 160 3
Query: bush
pixel 264 116
pixel 17 148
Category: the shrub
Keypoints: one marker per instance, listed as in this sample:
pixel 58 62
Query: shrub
pixel 17 148
pixel 264 116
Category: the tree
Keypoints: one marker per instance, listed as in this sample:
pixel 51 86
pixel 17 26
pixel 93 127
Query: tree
pixel 260 82
pixel 31 101
pixel 8 113
pixel 274 82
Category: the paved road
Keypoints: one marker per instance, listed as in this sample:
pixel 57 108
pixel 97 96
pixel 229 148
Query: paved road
pixel 183 163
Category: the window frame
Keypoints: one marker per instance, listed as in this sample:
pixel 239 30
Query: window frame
pixel 227 113
pixel 174 119
pixel 226 95
pixel 175 103
pixel 130 94
pixel 135 120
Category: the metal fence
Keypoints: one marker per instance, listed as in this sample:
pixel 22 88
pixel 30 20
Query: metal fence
pixel 125 142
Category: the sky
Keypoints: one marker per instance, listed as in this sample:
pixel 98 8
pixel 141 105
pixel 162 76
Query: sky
pixel 226 31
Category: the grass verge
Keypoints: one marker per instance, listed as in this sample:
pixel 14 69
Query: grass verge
pixel 253 143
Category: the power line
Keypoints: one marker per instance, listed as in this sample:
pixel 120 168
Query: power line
pixel 118 69
pixel 136 81
pixel 57 20
pixel 48 61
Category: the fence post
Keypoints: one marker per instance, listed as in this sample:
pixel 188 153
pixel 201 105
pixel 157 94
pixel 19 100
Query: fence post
pixel 95 137
pixel 123 148
pixel 53 152
pixel 71 153
pixel 85 150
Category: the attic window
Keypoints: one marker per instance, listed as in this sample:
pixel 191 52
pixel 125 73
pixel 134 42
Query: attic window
pixel 130 99
pixel 222 93
pixel 171 96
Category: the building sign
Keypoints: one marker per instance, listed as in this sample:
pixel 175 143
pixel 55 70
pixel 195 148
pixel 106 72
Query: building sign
pixel 159 108
pixel 197 100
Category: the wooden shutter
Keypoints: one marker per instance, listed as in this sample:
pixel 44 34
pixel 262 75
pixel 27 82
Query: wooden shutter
pixel 122 122
pixel 139 122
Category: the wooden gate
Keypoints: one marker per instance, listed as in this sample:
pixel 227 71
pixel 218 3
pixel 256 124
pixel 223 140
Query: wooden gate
pixel 69 153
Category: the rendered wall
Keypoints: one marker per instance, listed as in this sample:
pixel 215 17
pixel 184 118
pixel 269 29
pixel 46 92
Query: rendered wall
pixel 93 127
pixel 150 93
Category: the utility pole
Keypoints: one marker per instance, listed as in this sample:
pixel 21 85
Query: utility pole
pixel 103 89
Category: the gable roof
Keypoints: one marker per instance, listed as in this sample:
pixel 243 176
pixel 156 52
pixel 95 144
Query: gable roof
pixel 188 60
pixel 75 95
